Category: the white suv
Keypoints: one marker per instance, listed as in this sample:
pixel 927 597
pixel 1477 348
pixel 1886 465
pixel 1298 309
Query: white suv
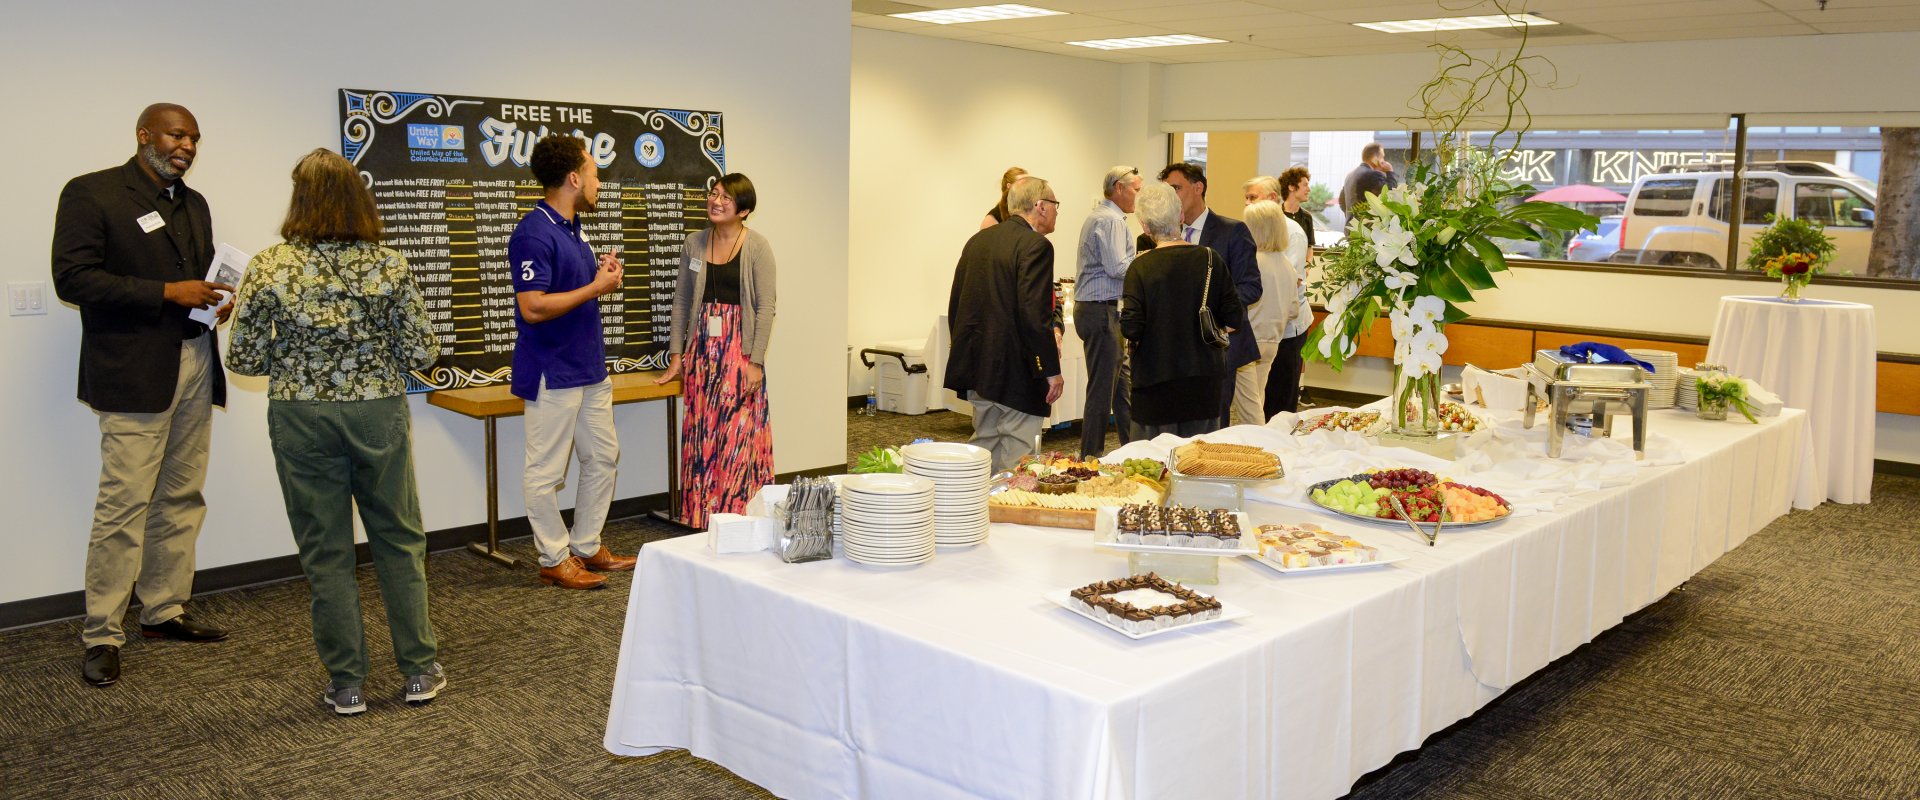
pixel 1679 216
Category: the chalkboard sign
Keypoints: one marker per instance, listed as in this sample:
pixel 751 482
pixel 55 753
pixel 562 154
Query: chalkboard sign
pixel 449 175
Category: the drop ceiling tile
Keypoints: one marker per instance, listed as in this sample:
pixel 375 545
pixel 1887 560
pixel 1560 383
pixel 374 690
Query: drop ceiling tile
pixel 1600 13
pixel 1700 24
pixel 1836 13
pixel 1719 33
pixel 1859 27
pixel 1188 13
pixel 1112 31
pixel 1032 25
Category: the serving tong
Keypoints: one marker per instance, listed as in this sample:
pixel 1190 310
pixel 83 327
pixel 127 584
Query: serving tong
pixel 1432 538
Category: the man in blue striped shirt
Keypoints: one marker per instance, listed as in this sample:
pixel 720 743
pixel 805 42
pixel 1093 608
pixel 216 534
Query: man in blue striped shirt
pixel 1106 250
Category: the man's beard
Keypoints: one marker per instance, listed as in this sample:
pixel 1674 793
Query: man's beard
pixel 161 166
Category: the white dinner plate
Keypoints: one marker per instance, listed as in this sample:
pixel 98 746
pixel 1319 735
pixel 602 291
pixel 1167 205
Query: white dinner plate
pixel 886 483
pixel 1386 557
pixel 945 452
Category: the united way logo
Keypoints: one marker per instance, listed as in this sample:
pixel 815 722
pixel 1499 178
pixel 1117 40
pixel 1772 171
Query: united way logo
pixel 649 150
pixel 436 137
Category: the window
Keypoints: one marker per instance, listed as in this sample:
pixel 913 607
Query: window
pixel 1832 205
pixel 1670 198
pixel 1763 198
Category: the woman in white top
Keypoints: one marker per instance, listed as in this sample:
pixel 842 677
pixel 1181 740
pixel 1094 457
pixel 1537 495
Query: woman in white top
pixel 1280 252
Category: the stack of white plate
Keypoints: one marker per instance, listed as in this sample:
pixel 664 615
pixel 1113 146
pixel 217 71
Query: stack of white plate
pixel 961 474
pixel 1666 375
pixel 886 519
pixel 1687 394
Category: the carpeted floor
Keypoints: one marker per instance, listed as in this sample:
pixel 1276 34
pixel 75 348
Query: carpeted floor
pixel 1789 668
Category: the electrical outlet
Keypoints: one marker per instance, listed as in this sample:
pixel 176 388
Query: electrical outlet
pixel 26 298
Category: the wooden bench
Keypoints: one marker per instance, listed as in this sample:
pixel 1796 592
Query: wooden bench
pixel 489 403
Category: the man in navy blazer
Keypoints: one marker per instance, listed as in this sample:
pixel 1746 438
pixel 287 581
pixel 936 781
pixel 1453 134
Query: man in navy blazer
pixel 130 246
pixel 1230 238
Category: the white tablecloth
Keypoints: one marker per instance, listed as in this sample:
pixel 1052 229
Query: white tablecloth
pixel 1818 355
pixel 955 679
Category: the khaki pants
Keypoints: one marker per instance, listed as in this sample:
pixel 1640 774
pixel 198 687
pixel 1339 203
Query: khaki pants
pixel 582 417
pixel 1005 433
pixel 1250 387
pixel 148 513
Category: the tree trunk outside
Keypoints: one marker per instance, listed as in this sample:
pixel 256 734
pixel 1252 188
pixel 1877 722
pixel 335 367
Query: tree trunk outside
pixel 1896 227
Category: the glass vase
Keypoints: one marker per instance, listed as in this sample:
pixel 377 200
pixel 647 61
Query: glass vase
pixel 1714 408
pixel 1790 291
pixel 1418 400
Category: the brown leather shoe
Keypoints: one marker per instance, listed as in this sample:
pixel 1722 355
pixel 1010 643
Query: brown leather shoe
pixel 571 574
pixel 606 561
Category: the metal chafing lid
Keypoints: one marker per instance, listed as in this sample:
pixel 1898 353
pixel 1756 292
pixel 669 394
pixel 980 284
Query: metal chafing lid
pixel 1601 373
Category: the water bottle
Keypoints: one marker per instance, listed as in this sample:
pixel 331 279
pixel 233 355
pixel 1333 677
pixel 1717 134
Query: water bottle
pixel 873 402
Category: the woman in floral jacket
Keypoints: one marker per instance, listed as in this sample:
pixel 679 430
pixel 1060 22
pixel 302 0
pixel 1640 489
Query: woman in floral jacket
pixel 335 322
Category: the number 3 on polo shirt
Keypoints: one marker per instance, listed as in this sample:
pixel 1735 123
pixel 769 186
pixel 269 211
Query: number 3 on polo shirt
pixel 526 270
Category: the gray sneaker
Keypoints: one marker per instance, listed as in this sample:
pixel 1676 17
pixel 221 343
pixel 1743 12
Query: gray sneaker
pixel 421 689
pixel 346 701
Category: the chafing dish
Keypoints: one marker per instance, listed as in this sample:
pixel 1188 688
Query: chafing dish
pixel 1585 397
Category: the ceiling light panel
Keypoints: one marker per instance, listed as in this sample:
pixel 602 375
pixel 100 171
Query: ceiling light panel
pixel 1456 23
pixel 951 16
pixel 1146 41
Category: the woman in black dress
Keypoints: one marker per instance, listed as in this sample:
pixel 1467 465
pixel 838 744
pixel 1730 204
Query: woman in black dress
pixel 1177 376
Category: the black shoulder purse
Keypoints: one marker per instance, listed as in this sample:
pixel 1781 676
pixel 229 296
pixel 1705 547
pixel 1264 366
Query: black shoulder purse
pixel 1210 331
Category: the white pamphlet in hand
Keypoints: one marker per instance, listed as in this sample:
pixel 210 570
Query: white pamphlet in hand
pixel 229 264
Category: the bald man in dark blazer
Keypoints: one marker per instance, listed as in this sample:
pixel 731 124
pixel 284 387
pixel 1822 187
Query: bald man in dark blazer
pixel 130 245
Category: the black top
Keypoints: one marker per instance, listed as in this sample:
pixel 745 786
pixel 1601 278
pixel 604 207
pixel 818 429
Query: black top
pixel 1306 222
pixel 994 212
pixel 998 316
pixel 115 269
pixel 723 282
pixel 1160 314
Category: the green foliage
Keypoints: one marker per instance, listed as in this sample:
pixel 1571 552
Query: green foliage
pixel 1318 196
pixel 1784 236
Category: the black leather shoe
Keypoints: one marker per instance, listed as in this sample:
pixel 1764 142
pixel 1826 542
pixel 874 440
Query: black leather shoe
pixel 185 629
pixel 102 667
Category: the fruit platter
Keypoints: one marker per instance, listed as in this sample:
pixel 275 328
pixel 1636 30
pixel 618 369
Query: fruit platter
pixel 1426 497
pixel 1059 491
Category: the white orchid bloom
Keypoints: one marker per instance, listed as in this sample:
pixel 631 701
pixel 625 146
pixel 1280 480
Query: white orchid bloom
pixel 1428 310
pixel 1341 299
pixel 1397 280
pixel 1420 365
pixel 1391 243
pixel 1429 342
pixel 1402 325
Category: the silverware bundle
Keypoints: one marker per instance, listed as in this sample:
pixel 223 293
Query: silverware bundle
pixel 808 533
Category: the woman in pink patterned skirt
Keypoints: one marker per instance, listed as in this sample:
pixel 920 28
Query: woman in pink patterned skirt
pixel 722 321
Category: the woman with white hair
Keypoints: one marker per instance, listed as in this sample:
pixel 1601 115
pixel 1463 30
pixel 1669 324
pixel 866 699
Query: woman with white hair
pixel 1177 375
pixel 1280 285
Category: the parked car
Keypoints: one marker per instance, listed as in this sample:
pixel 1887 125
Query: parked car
pixel 1598 245
pixel 1679 216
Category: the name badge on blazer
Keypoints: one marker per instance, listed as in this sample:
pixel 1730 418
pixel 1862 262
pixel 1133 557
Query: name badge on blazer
pixel 696 266
pixel 150 222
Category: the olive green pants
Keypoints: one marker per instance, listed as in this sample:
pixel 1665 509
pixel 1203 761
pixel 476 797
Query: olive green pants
pixel 331 455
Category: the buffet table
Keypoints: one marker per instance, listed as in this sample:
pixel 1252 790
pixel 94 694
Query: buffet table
pixel 1818 355
pixel 955 679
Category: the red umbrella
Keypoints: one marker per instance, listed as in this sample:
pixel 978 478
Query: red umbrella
pixel 1580 193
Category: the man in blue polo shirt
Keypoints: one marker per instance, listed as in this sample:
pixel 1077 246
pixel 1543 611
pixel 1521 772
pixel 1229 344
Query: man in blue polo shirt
pixel 560 365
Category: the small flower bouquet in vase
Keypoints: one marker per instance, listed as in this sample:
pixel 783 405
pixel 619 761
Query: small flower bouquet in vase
pixel 1720 391
pixel 1792 251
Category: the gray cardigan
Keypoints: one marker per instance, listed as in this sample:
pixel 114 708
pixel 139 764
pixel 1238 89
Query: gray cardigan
pixel 756 294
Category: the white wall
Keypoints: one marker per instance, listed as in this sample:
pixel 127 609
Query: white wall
pixel 934 124
pixel 263 79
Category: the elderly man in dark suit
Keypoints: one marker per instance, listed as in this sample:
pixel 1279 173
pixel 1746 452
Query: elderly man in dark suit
pixel 130 245
pixel 1003 358
pixel 1228 237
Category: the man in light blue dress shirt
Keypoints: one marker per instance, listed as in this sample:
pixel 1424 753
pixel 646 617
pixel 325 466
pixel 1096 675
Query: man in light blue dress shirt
pixel 1106 250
